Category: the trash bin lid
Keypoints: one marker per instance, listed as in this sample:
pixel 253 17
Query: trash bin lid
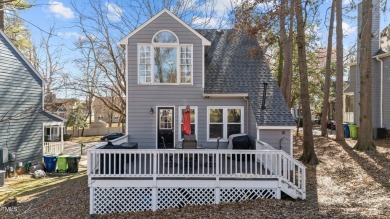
pixel 49 156
pixel 63 156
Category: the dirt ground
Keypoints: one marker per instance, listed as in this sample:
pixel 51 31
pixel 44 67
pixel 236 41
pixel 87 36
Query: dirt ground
pixel 346 184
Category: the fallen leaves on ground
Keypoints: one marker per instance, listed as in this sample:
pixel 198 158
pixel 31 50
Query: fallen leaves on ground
pixel 346 184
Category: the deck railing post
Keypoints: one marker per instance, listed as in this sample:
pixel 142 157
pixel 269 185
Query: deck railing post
pixel 154 189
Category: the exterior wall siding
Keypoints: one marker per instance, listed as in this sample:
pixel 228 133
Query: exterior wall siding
pixel 277 138
pixel 386 92
pixel 21 99
pixel 141 124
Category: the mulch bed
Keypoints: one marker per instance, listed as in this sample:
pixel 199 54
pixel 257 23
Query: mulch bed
pixel 346 184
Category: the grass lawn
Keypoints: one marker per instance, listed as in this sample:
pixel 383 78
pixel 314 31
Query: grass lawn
pixel 85 139
pixel 346 184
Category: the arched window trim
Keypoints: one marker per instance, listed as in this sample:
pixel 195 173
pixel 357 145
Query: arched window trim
pixel 166 44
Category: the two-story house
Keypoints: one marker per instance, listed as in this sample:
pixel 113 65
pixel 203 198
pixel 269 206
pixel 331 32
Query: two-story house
pixel 224 79
pixel 221 74
pixel 24 124
pixel 380 76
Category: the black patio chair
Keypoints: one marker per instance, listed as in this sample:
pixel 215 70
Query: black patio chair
pixel 211 162
pixel 169 159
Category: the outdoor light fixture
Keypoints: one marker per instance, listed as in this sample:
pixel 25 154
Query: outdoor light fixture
pixel 151 110
pixel 264 96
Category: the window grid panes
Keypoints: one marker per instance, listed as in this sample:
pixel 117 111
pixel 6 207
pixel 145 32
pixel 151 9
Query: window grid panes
pixel 224 122
pixel 144 64
pixel 166 119
pixel 215 123
pixel 165 37
pixel 186 64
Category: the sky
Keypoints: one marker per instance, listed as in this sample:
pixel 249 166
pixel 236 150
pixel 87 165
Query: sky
pixel 61 14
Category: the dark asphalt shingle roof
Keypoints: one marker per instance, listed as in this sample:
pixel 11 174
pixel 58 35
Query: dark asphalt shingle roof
pixel 229 69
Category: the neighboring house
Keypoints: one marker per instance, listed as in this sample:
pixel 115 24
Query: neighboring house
pixel 100 112
pixel 24 124
pixel 61 106
pixel 223 76
pixel 220 74
pixel 380 74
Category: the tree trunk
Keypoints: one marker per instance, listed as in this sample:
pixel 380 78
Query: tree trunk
pixel 365 141
pixel 325 105
pixel 2 15
pixel 339 73
pixel 308 155
pixel 282 41
pixel 285 85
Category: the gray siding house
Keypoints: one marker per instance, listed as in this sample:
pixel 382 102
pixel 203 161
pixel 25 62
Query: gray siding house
pixel 221 74
pixel 380 72
pixel 22 118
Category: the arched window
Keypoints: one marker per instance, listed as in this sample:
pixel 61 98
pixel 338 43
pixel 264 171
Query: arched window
pixel 165 61
pixel 165 37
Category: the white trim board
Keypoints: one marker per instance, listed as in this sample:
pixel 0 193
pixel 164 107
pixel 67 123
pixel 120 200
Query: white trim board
pixel 224 121
pixel 276 127
pixel 23 58
pixel 178 47
pixel 124 41
pixel 226 95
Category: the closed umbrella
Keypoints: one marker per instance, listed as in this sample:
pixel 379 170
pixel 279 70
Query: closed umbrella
pixel 186 129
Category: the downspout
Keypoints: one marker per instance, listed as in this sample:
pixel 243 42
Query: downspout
pixel 247 114
pixel 381 93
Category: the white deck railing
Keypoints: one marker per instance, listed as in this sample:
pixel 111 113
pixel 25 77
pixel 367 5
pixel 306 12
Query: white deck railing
pixel 199 163
pixel 53 147
pixel 348 117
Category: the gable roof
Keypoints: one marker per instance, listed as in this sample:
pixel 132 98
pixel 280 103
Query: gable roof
pixel 3 35
pixel 229 70
pixel 124 41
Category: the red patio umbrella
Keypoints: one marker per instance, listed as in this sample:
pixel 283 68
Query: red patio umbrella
pixel 186 129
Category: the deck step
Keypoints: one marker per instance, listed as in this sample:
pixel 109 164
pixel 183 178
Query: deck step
pixel 289 190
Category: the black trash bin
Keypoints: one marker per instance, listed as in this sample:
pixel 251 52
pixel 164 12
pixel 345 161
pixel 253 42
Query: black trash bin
pixel 73 163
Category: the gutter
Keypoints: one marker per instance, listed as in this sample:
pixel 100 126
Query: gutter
pixel 205 95
pixel 381 92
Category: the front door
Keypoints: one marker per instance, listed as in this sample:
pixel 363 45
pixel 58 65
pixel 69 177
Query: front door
pixel 165 127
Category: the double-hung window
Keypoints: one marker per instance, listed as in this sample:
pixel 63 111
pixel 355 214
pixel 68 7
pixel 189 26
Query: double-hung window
pixel 224 121
pixel 194 121
pixel 165 61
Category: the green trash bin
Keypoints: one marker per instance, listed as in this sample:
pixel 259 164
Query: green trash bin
pixel 73 163
pixel 353 131
pixel 62 164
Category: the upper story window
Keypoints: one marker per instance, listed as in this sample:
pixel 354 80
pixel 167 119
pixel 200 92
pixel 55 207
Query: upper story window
pixel 165 37
pixel 165 61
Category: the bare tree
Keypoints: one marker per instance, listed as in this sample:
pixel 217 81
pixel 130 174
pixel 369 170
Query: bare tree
pixel 103 28
pixel 308 155
pixel 286 83
pixel 339 72
pixel 365 141
pixel 325 105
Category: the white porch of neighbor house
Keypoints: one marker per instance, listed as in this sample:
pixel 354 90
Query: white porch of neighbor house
pixel 348 114
pixel 53 138
pixel 123 180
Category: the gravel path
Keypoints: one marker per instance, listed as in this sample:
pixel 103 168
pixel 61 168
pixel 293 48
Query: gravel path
pixel 346 184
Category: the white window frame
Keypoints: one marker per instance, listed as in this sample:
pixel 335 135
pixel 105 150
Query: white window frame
pixel 139 60
pixel 180 121
pixel 178 46
pixel 225 121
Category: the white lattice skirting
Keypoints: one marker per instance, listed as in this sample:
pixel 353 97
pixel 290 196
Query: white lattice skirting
pixel 114 199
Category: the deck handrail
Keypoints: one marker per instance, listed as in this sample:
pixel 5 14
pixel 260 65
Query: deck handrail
pixel 197 163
